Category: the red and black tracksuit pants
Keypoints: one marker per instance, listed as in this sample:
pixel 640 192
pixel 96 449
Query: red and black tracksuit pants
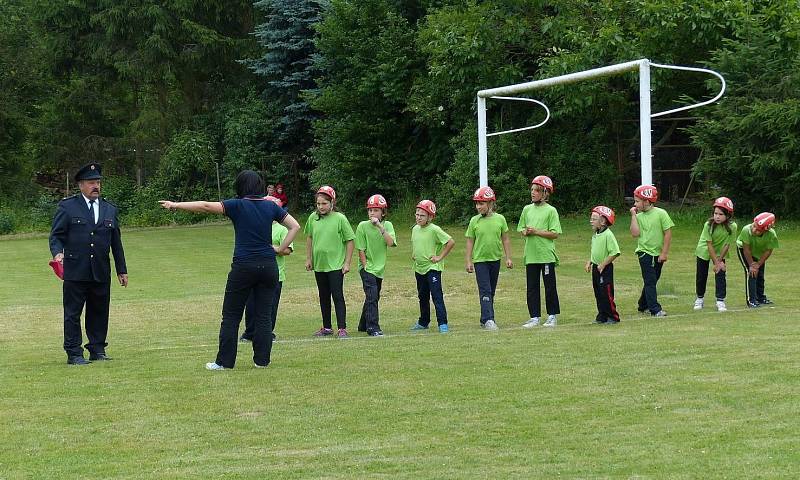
pixel 603 284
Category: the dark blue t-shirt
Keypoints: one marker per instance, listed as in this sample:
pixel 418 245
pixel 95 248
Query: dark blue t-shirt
pixel 252 221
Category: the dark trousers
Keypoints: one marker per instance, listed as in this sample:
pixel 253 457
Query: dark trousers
pixel 603 285
pixel 486 274
pixel 547 272
pixel 651 273
pixel 720 283
pixel 331 285
pixel 250 313
pixel 753 286
pixel 369 321
pixel 96 296
pixel 259 276
pixel 429 287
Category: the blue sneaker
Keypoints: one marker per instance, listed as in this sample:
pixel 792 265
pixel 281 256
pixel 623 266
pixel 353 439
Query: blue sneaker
pixel 417 326
pixel 443 328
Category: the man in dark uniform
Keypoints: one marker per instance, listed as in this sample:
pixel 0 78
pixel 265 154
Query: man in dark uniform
pixel 84 228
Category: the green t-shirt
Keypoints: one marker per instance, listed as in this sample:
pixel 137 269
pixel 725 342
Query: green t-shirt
pixel 279 232
pixel 604 244
pixel 652 225
pixel 329 236
pixel 426 242
pixel 718 238
pixel 488 235
pixel 543 217
pixel 370 240
pixel 758 245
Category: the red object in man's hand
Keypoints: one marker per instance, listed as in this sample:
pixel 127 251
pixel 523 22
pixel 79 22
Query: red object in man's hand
pixel 58 268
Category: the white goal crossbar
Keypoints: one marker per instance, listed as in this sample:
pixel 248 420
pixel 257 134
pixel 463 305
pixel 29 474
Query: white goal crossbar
pixel 643 66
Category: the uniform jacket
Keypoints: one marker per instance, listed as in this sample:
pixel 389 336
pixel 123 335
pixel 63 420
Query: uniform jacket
pixel 84 244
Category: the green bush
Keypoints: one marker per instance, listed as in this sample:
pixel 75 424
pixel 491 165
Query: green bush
pixel 6 222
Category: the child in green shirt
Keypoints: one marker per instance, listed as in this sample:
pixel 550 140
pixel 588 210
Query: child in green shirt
pixel 373 237
pixel 715 241
pixel 429 246
pixel 603 253
pixel 755 245
pixel 487 241
pixel 653 229
pixel 329 249
pixel 540 225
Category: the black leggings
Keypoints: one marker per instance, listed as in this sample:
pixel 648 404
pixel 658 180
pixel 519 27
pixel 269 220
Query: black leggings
pixel 331 285
pixel 720 284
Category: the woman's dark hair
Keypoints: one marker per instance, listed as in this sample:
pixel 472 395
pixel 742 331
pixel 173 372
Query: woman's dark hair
pixel 249 183
pixel 727 223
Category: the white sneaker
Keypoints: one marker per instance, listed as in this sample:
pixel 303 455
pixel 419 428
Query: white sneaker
pixel 721 307
pixel 533 322
pixel 259 366
pixel 214 366
pixel 698 304
pixel 661 313
pixel 490 325
pixel 551 321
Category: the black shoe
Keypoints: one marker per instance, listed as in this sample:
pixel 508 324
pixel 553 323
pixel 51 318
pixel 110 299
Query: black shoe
pixel 77 361
pixel 375 333
pixel 765 301
pixel 753 304
pixel 94 357
pixel 612 321
pixel 600 321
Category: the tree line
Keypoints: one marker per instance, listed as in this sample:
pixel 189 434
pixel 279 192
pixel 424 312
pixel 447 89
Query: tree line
pixel 379 96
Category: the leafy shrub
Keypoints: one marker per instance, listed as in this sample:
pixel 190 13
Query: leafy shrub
pixel 6 222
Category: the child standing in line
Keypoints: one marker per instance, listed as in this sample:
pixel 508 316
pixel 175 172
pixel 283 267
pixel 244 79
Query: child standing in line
pixel 652 226
pixel 373 238
pixel 329 250
pixel 429 246
pixel 719 232
pixel 604 251
pixel 278 234
pixel 755 245
pixel 540 225
pixel 487 241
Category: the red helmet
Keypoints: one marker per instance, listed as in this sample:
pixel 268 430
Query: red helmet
pixel 428 206
pixel 724 203
pixel 646 192
pixel 544 181
pixel 273 199
pixel 329 191
pixel 764 221
pixel 484 194
pixel 377 201
pixel 606 212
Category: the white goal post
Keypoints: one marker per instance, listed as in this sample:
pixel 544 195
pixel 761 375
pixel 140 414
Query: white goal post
pixel 642 65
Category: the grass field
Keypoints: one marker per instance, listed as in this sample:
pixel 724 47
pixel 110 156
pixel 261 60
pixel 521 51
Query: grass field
pixel 694 395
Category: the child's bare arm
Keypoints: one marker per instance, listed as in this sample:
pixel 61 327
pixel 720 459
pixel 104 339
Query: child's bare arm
pixel 309 247
pixel 606 262
pixel 634 223
pixel 445 251
pixel 468 255
pixel 348 256
pixel 507 250
pixel 665 249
